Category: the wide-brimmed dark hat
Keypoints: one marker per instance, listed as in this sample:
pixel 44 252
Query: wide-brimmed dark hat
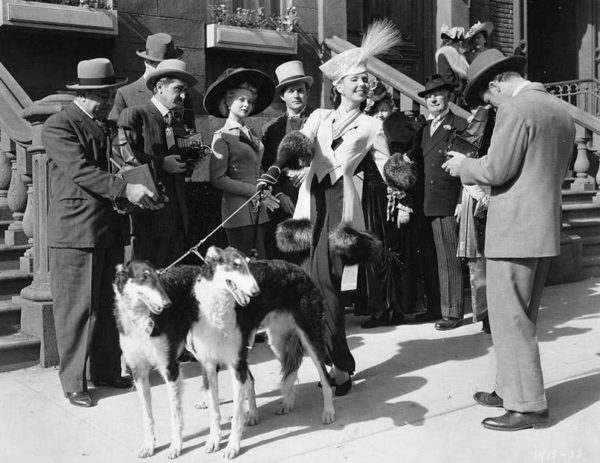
pixel 232 78
pixel 97 73
pixel 290 73
pixel 436 82
pixel 160 47
pixel 170 68
pixel 483 69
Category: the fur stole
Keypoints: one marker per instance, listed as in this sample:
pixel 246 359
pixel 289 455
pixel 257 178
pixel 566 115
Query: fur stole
pixel 456 60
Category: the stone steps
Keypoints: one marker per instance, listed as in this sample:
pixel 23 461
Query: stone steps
pixel 570 196
pixel 10 255
pixel 18 350
pixel 580 210
pixel 12 282
pixel 10 317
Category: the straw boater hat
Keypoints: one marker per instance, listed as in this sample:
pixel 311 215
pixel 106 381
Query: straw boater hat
pixel 478 27
pixel 290 73
pixel 97 73
pixel 170 68
pixel 456 33
pixel 380 38
pixel 232 78
pixel 483 69
pixel 435 82
pixel 159 47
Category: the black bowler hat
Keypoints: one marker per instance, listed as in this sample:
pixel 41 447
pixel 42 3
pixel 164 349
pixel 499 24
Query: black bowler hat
pixel 232 78
pixel 436 82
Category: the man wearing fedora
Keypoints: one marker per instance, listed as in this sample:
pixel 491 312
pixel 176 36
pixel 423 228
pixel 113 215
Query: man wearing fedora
pixel 159 236
pixel 293 89
pixel 526 162
pixel 159 47
pixel 441 197
pixel 85 234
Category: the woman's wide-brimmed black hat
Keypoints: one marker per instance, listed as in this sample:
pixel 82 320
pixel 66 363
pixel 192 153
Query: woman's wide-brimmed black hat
pixel 483 69
pixel 232 78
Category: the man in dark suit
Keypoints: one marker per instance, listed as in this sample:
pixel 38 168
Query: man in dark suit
pixel 527 160
pixel 85 233
pixel 159 236
pixel 159 47
pixel 293 89
pixel 441 197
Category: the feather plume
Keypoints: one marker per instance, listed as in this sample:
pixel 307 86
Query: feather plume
pixel 382 35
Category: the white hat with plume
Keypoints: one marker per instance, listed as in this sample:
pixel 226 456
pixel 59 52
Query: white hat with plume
pixel 381 37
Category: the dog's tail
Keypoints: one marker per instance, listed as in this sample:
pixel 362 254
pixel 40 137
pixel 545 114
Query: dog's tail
pixel 292 354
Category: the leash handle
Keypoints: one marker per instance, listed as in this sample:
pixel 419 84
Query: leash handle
pixel 194 249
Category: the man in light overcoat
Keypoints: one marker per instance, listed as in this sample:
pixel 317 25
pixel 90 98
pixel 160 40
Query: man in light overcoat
pixel 526 163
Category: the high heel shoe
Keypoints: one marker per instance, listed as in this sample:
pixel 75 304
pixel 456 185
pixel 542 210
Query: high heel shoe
pixel 344 388
pixel 376 320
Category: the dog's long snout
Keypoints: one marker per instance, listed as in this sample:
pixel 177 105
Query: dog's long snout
pixel 255 290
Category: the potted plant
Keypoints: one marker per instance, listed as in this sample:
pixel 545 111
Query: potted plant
pixel 252 30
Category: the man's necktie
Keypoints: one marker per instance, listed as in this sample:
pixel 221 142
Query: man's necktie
pixel 168 118
pixel 296 122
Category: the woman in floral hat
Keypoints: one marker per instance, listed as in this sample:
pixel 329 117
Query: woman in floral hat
pixel 451 62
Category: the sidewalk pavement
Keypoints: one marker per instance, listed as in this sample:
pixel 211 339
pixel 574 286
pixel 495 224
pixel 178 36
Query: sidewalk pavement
pixel 411 402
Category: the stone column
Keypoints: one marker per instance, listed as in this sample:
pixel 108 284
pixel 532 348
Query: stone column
pixel 17 201
pixel 36 299
pixel 5 175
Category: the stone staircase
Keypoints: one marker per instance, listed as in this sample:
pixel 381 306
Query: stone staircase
pixel 17 349
pixel 581 217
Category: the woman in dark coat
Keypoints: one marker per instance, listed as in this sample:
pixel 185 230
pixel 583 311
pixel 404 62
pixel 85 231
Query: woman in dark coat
pixel 381 288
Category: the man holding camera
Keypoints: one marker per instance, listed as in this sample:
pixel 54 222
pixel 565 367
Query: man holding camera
pixel 159 236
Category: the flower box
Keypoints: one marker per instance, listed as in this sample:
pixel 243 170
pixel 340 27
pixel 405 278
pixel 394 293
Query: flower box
pixel 58 17
pixel 249 39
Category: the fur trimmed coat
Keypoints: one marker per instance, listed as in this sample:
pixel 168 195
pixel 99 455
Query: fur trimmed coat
pixel 364 135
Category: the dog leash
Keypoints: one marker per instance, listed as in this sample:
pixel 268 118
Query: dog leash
pixel 194 249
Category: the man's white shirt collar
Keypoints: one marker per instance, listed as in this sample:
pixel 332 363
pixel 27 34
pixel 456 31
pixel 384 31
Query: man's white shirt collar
pixel 161 107
pixel 440 116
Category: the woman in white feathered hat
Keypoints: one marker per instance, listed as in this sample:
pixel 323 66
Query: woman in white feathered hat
pixel 452 64
pixel 329 220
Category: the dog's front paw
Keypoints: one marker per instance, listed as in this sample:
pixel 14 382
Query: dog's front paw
pixel 174 451
pixel 212 444
pixel 284 407
pixel 251 419
pixel 231 451
pixel 146 451
pixel 328 416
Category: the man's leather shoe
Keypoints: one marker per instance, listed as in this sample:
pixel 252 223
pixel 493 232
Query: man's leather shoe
pixel 488 399
pixel 447 323
pixel 80 399
pixel 122 382
pixel 515 421
pixel 396 319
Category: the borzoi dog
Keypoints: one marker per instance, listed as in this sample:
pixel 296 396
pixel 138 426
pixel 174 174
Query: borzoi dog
pixel 290 307
pixel 154 314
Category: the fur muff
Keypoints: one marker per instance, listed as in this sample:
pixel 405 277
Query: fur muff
pixel 294 236
pixel 354 246
pixel 400 173
pixel 295 148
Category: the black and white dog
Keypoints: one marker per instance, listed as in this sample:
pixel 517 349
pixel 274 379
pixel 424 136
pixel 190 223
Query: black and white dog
pixel 289 307
pixel 154 315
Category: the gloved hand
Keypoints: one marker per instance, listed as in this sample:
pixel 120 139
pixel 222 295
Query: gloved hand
pixel 268 179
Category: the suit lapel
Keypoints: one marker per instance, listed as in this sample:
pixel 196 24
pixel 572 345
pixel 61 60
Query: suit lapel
pixel 252 143
pixel 432 141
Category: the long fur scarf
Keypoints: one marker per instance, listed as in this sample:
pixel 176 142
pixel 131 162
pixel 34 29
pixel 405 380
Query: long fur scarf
pixel 456 60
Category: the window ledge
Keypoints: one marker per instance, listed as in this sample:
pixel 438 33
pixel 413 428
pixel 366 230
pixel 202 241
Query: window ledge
pixel 247 39
pixel 51 16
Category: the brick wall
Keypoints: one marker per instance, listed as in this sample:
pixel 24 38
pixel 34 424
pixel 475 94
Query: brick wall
pixel 501 14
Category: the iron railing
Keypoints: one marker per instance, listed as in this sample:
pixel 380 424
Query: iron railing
pixel 582 93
